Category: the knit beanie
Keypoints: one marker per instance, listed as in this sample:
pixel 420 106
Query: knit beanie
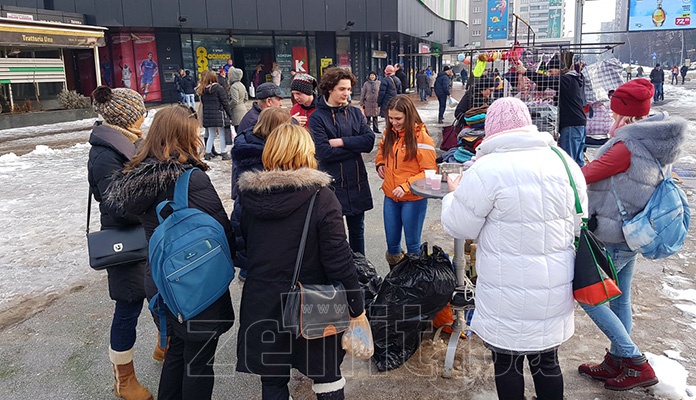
pixel 505 114
pixel 121 107
pixel 632 99
pixel 304 83
pixel 389 70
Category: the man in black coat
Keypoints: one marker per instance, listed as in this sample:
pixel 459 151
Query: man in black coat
pixel 268 95
pixel 570 97
pixel 684 69
pixel 657 78
pixel 423 85
pixel 401 74
pixel 389 87
pixel 442 91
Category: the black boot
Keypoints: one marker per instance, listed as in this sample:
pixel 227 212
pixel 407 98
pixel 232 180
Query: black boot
pixel 335 395
pixel 330 391
pixel 214 152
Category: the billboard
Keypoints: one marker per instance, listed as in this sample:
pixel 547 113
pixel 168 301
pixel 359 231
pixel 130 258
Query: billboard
pixel 554 30
pixel 496 20
pixel 651 15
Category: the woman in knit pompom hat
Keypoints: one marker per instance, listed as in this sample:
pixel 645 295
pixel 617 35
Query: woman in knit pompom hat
pixel 627 163
pixel 113 145
pixel 516 199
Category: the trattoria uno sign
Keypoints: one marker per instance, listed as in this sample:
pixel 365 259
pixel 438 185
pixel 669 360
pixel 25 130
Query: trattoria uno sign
pixel 14 34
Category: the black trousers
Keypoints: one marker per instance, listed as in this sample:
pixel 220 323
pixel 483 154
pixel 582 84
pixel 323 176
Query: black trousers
pixel 356 232
pixel 443 105
pixel 187 373
pixel 546 372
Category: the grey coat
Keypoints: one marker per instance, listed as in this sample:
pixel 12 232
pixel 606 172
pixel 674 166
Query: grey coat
pixel 368 98
pixel 657 138
pixel 238 96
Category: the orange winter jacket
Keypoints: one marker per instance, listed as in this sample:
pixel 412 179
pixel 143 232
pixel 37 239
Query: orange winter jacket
pixel 399 172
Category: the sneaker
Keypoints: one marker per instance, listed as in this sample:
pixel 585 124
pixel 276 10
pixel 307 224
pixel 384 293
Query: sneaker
pixel 609 368
pixel 208 156
pixel 440 121
pixel 636 372
pixel 226 156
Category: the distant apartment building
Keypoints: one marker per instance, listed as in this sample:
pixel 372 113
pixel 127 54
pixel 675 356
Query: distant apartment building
pixel 546 17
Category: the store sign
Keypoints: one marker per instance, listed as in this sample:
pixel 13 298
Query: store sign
pixel 379 54
pixel 42 39
pixel 661 15
pixel 20 17
pixel 423 48
pixel 299 59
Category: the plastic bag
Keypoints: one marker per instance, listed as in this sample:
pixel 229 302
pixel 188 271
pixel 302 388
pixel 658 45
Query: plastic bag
pixel 409 298
pixel 452 102
pixel 252 91
pixel 357 340
pixel 367 277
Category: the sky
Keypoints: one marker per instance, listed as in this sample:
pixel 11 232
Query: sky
pixel 594 13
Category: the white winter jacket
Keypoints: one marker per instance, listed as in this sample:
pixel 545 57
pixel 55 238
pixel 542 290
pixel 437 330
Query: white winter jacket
pixel 516 199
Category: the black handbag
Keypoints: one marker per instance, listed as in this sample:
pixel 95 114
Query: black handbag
pixel 115 247
pixel 595 280
pixel 314 311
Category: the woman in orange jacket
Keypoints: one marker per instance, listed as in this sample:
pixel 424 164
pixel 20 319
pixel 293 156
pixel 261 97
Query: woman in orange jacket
pixel 405 152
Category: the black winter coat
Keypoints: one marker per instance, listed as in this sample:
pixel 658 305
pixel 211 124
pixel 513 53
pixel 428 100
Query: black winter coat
pixel 246 156
pixel 657 76
pixel 188 85
pixel 216 104
pixel 442 82
pixel 570 96
pixel 110 151
pixel 250 118
pixel 140 191
pixel 387 90
pixel 404 80
pixel 422 81
pixel 345 164
pixel 275 207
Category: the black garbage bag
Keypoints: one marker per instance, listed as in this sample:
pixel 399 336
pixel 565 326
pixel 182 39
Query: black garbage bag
pixel 409 298
pixel 368 278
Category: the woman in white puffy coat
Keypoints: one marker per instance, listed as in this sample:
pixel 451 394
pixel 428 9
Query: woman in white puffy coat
pixel 516 199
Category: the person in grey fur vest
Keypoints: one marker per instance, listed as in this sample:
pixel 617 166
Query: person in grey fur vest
pixel 628 160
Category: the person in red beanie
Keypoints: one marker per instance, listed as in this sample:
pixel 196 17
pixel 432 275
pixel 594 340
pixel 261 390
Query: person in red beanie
pixel 626 167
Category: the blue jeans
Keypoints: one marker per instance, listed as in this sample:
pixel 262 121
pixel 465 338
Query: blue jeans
pixel 190 100
pixel 658 92
pixel 406 215
pixel 123 325
pixel 572 141
pixel 210 132
pixel 423 94
pixel 615 319
pixel 356 232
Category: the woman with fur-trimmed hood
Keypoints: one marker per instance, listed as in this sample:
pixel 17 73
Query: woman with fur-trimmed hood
pixel 628 161
pixel 172 146
pixel 276 202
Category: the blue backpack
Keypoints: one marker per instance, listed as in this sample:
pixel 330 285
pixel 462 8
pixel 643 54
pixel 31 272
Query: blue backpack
pixel 190 259
pixel 660 229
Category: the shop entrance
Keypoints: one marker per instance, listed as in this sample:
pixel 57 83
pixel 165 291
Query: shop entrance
pixel 247 58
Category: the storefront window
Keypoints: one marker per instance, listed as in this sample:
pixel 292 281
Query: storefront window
pixel 313 58
pixel 343 51
pixel 291 53
pixel 211 52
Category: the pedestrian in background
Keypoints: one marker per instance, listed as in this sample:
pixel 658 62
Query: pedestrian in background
pixel 442 91
pixel 216 105
pixel 405 152
pixel 657 78
pixel 276 76
pixel 302 89
pixel 113 145
pixel 189 87
pixel 368 100
pixel 684 70
pixel 423 85
pixel 627 165
pixel 675 74
pixel 276 203
pixel 524 291
pixel 171 147
pixel 238 97
pixel 267 95
pixel 341 135
pixel 401 74
pixel 431 81
pixel 388 88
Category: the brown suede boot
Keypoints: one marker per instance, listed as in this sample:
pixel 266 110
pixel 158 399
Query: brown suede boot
pixel 609 368
pixel 393 259
pixel 126 385
pixel 636 372
pixel 160 352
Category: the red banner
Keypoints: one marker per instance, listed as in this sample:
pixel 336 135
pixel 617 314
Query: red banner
pixel 299 60
pixel 135 64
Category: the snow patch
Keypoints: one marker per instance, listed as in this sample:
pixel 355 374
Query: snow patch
pixel 42 150
pixel 672 376
pixel 674 355
pixel 8 158
pixel 687 308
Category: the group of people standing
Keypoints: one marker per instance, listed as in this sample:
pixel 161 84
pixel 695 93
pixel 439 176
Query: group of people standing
pixel 516 188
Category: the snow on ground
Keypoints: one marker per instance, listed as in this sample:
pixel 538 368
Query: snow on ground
pixel 672 376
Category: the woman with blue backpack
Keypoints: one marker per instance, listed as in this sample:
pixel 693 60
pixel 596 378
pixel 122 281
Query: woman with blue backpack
pixel 627 170
pixel 173 147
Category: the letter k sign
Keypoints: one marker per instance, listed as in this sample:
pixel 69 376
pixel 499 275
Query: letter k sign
pixel 299 66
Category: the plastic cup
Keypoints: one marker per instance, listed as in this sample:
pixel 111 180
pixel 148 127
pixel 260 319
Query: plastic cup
pixel 453 177
pixel 436 181
pixel 428 176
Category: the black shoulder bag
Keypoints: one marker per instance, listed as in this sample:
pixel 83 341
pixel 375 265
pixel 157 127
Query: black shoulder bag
pixel 115 247
pixel 314 311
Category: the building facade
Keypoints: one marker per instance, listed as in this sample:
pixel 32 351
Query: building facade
pixel 546 17
pixel 150 40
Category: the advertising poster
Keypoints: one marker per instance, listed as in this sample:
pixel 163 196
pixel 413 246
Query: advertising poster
pixel 123 62
pixel 497 24
pixel 145 54
pixel 651 15
pixel 106 67
pixel 554 24
pixel 299 60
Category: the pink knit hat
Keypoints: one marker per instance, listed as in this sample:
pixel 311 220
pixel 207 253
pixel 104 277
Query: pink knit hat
pixel 389 70
pixel 505 114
